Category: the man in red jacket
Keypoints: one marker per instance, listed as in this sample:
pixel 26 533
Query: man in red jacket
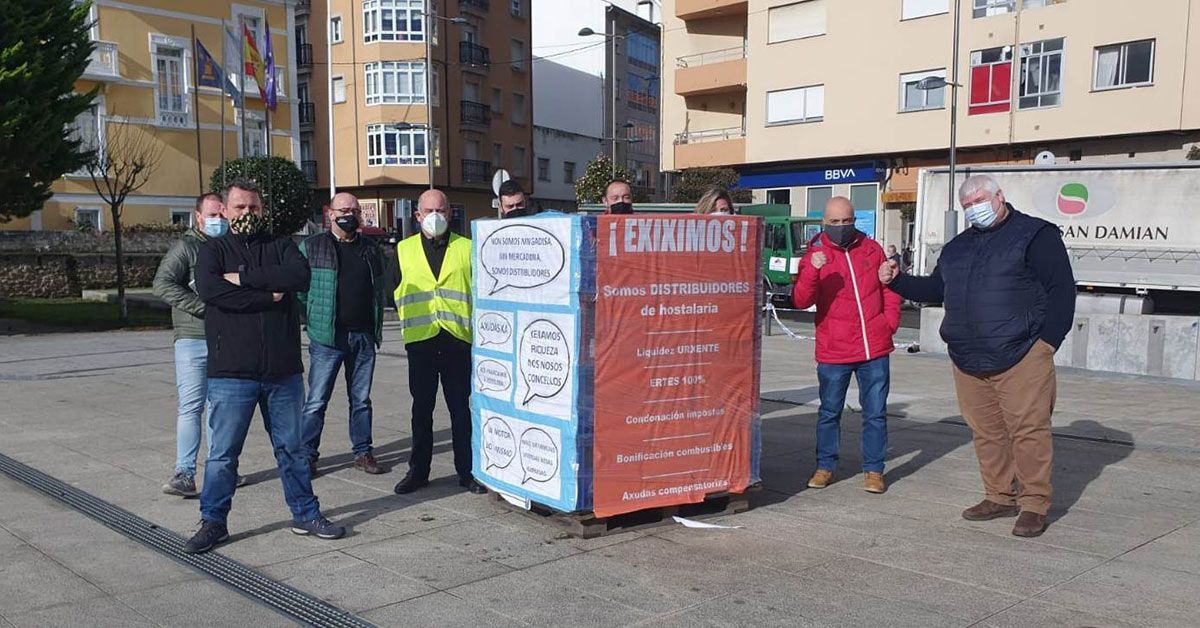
pixel 856 317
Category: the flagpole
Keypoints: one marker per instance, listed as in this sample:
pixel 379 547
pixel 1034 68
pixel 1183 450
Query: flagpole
pixel 224 78
pixel 242 86
pixel 196 113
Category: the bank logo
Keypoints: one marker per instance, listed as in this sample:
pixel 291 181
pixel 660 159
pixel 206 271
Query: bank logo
pixel 1072 199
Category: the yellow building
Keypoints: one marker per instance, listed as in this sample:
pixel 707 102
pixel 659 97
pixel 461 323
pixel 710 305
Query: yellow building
pixel 142 66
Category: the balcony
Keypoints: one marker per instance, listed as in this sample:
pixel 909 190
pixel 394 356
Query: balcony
pixel 303 7
pixel 478 6
pixel 103 64
pixel 715 72
pixel 308 115
pixel 476 171
pixel 715 147
pixel 472 56
pixel 304 57
pixel 309 168
pixel 476 113
pixel 704 9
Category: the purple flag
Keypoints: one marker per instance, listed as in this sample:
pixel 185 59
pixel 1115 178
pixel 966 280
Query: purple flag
pixel 272 76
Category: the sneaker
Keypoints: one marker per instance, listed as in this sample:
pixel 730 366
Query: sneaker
pixel 207 537
pixel 471 485
pixel 820 479
pixel 1029 524
pixel 410 483
pixel 987 510
pixel 368 464
pixel 873 482
pixel 319 527
pixel 181 484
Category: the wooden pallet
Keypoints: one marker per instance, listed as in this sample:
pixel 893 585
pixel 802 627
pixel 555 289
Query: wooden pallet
pixel 586 525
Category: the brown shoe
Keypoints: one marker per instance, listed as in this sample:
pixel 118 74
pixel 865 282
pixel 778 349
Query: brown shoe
pixel 367 463
pixel 873 482
pixel 1029 524
pixel 988 510
pixel 820 479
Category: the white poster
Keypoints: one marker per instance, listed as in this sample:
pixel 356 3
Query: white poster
pixel 525 261
pixel 493 378
pixel 522 454
pixel 545 364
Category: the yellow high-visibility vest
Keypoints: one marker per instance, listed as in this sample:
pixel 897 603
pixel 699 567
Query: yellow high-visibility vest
pixel 426 304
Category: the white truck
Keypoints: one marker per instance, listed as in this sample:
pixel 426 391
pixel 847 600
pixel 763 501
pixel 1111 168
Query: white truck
pixel 1129 229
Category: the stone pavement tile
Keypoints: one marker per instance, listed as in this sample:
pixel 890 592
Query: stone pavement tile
pixel 439 609
pixel 201 603
pixel 523 597
pixel 1036 613
pixel 738 545
pixel 116 564
pixel 347 582
pixel 97 612
pixel 1132 592
pixel 436 564
pixel 22 502
pixel 1179 551
pixel 508 539
pixel 30 581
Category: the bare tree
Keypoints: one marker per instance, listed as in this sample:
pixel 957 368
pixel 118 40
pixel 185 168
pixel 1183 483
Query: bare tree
pixel 121 165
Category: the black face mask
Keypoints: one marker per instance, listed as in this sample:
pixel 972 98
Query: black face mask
pixel 517 213
pixel 841 235
pixel 348 224
pixel 620 208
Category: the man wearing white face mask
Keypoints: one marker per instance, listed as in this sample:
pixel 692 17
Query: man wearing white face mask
pixel 1009 297
pixel 433 302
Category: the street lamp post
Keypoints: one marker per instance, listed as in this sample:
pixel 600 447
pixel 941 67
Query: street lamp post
pixel 950 219
pixel 612 37
pixel 429 147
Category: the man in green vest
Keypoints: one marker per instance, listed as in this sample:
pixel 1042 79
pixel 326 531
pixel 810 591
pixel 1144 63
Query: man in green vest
pixel 433 302
pixel 344 307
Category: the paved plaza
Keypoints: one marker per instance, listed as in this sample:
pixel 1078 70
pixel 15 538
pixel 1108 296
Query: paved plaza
pixel 1123 548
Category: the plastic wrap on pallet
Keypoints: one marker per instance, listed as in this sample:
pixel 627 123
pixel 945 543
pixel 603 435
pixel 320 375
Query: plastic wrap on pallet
pixel 531 397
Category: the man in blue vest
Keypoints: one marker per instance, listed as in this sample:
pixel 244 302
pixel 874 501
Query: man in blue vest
pixel 1009 297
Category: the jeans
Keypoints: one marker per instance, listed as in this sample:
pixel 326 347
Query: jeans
pixel 191 386
pixel 449 360
pixel 357 351
pixel 231 402
pixel 874 379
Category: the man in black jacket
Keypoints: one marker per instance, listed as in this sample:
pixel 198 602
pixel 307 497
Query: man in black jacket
pixel 248 281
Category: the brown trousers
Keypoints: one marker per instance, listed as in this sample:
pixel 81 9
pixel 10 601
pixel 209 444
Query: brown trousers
pixel 1009 414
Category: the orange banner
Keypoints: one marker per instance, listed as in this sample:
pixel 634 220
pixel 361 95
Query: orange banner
pixel 676 393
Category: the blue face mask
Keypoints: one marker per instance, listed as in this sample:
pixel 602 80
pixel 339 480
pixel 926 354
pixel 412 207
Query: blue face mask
pixel 981 214
pixel 216 227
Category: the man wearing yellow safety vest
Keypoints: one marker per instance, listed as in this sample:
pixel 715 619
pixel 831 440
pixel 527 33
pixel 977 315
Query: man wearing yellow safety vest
pixel 433 302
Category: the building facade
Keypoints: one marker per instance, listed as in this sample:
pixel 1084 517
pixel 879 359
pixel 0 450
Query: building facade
pixel 574 82
pixel 815 98
pixel 415 89
pixel 143 67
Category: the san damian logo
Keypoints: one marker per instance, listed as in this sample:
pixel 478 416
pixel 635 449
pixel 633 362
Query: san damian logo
pixel 1072 199
pixel 1075 199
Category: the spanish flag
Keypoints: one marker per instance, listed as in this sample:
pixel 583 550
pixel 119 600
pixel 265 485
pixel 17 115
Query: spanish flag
pixel 254 61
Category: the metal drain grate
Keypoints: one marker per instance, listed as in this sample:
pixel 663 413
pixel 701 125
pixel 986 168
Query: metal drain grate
pixel 288 601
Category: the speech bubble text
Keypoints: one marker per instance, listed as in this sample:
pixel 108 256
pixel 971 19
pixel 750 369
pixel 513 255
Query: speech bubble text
pixel 539 456
pixel 545 359
pixel 499 444
pixel 522 257
pixel 494 328
pixel 492 375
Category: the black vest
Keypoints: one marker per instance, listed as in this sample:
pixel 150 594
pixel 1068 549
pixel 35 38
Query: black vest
pixel 995 305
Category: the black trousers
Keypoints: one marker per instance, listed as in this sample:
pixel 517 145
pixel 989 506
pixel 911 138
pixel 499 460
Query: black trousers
pixel 446 358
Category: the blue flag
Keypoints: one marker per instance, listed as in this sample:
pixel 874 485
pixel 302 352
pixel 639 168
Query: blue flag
pixel 207 72
pixel 272 96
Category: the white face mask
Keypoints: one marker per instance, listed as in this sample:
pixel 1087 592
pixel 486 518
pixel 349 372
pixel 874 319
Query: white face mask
pixel 721 213
pixel 434 224
pixel 981 214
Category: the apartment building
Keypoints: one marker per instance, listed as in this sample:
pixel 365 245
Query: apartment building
pixel 420 91
pixel 142 68
pixel 814 98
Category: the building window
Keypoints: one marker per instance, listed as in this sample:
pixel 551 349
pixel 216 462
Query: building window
pixel 802 104
pixel 641 50
pixel 1124 65
pixel 913 98
pixel 393 20
pixel 392 82
pixel 388 146
pixel 88 128
pixel 437 148
pixel 1041 74
pixel 519 158
pixel 335 29
pixel 517 55
pixel 645 133
pixel 254 138
pixel 88 219
pixel 339 89
pixel 641 93
pixel 170 91
pixel 817 197
pixel 497 101
pixel 796 21
pixel 518 109
pixel 182 217
pixel 497 156
pixel 569 172
pixel 543 169
pixel 912 9
pixel 779 197
pixel 984 8
pixel 1034 4
pixel 514 7
pixel 991 80
pixel 864 197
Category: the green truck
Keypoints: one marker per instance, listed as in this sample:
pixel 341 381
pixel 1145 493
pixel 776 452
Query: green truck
pixel 784 240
